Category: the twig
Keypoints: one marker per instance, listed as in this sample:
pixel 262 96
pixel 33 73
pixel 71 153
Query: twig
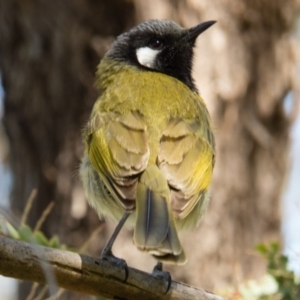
pixel 28 206
pixel 88 275
pixel 32 291
pixel 44 216
pixel 88 241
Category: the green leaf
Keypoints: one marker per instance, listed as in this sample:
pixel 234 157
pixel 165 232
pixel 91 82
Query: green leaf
pixel 54 242
pixel 13 233
pixel 26 233
pixel 262 248
pixel 41 239
pixel 275 247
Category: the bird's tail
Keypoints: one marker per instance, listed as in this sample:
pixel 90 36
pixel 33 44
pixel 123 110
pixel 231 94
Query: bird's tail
pixel 155 230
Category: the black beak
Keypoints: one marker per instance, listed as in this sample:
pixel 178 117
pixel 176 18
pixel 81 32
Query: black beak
pixel 194 32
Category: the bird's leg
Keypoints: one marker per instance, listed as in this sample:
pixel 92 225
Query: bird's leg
pixel 158 272
pixel 107 250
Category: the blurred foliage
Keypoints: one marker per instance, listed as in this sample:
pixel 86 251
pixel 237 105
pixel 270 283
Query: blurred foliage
pixel 21 231
pixel 26 234
pixel 279 282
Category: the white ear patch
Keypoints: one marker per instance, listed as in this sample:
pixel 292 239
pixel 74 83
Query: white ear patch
pixel 146 56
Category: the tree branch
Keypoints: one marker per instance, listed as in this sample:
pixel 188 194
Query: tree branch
pixel 88 275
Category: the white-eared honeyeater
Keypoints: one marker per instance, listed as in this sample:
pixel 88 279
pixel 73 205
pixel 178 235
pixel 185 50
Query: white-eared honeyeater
pixel 149 145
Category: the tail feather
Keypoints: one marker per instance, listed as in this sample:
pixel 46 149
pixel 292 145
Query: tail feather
pixel 180 259
pixel 171 244
pixel 155 230
pixel 152 221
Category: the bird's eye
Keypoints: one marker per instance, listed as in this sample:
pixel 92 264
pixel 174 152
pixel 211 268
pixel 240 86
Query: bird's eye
pixel 156 44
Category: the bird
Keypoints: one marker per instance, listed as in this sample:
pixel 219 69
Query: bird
pixel 149 142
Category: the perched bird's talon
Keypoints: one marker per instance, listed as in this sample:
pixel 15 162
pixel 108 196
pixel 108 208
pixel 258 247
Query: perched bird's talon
pixel 121 263
pixel 107 254
pixel 159 273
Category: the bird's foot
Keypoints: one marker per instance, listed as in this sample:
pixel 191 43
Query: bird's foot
pixel 159 273
pixel 107 255
pixel 107 252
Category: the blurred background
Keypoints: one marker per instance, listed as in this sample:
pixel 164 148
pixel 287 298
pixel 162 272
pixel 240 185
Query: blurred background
pixel 247 69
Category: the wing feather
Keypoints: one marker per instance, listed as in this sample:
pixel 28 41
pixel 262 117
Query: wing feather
pixel 118 150
pixel 186 158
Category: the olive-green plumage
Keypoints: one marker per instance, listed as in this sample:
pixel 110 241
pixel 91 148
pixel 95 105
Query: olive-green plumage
pixel 149 149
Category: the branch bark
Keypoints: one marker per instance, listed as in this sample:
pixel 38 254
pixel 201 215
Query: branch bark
pixel 88 275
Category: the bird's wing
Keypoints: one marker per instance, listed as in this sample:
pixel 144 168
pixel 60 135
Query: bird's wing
pixel 118 150
pixel 186 158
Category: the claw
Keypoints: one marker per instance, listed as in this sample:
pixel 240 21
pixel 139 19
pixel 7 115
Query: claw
pixel 159 273
pixel 121 263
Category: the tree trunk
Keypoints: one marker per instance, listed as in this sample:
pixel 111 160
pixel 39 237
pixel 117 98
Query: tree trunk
pixel 244 67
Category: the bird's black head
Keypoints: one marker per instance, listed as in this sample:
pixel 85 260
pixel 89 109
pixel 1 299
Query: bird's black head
pixel 161 46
